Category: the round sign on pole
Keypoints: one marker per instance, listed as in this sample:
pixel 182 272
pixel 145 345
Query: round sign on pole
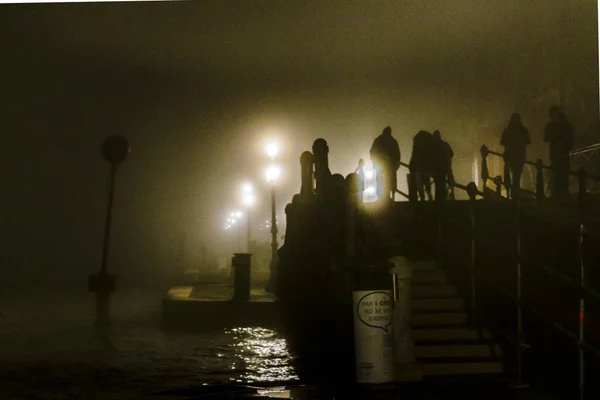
pixel 115 149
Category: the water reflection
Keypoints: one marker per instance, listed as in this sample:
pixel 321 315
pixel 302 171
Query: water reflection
pixel 262 356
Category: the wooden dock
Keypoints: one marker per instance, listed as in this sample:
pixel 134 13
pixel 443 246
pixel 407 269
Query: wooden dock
pixel 212 306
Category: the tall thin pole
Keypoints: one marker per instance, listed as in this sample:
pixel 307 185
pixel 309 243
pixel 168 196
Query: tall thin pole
pixel 520 339
pixel 248 235
pixel 274 244
pixel 107 224
pixel 103 280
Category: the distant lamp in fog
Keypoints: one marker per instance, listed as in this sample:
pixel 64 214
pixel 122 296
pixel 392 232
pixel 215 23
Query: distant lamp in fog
pixel 369 173
pixel 370 190
pixel 247 188
pixel 273 173
pixel 238 214
pixel 272 150
pixel 248 199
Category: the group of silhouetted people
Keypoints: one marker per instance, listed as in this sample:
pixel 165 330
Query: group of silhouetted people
pixel 560 137
pixel 432 158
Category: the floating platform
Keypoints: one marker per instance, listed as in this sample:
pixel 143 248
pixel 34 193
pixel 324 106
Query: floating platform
pixel 212 306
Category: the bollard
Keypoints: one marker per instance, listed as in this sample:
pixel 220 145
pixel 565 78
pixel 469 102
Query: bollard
pixel 241 276
pixel 406 367
pixel 373 333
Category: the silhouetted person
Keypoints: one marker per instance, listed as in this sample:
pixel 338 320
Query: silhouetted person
pixel 420 165
pixel 515 139
pixel 559 134
pixel 385 155
pixel 441 156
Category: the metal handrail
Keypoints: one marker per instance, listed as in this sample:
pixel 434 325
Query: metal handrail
pixel 517 298
pixel 543 166
pixel 581 174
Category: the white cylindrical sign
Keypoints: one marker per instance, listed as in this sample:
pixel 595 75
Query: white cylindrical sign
pixel 373 337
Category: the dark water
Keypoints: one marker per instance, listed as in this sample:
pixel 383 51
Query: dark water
pixel 50 350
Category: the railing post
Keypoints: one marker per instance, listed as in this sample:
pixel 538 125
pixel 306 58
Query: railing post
pixel 472 192
pixel 507 180
pixel 451 184
pixel 539 184
pixel 438 258
pixel 485 175
pixel 521 346
pixel 498 183
pixel 581 176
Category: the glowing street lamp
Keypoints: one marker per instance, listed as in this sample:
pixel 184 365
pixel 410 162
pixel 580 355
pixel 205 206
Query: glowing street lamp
pixel 248 199
pixel 272 150
pixel 247 188
pixel 273 173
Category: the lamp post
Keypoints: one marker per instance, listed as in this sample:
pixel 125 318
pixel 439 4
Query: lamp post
pixel 273 173
pixel 248 200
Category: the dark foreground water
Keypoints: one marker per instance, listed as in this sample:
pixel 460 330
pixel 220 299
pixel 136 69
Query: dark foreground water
pixel 50 350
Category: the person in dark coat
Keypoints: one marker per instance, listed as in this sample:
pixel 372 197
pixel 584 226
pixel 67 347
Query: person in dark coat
pixel 441 156
pixel 385 155
pixel 559 135
pixel 515 140
pixel 420 166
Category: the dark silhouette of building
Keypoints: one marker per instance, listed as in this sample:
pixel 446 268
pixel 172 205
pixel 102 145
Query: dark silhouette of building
pixel 559 135
pixel 515 140
pixel 385 155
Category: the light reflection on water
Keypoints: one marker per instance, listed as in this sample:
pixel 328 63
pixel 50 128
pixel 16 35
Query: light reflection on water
pixel 264 355
pixel 50 357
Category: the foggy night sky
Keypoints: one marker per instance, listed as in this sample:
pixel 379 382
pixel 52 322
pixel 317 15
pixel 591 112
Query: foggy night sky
pixel 196 87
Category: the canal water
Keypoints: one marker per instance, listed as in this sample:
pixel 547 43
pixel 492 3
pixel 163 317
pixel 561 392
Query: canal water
pixel 50 350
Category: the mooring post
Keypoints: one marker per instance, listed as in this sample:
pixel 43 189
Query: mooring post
pixel 241 276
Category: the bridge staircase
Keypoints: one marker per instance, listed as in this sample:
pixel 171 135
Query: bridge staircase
pixel 447 344
pixel 501 288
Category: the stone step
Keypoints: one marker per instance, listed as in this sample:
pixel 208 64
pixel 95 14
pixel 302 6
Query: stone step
pixel 449 351
pixel 443 304
pixel 438 319
pixel 432 291
pixel 462 368
pixel 448 334
pixel 424 277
